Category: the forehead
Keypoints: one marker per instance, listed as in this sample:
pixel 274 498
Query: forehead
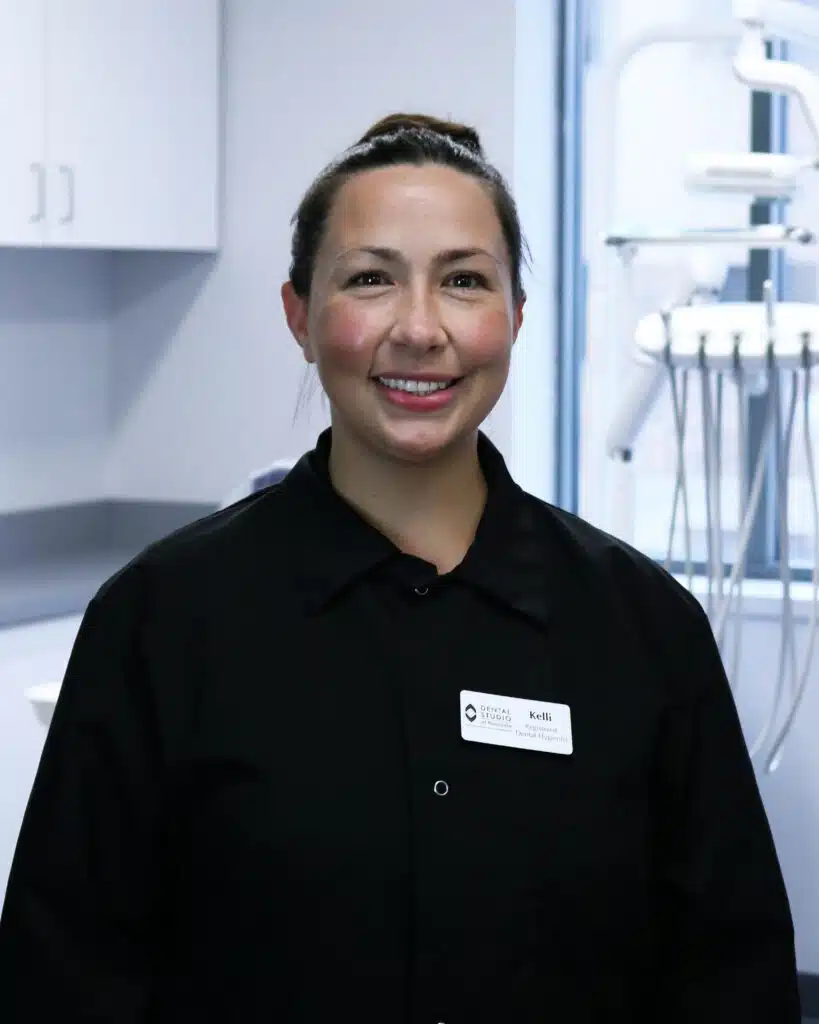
pixel 398 206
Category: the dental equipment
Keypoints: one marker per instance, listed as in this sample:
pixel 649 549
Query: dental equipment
pixel 786 19
pixel 735 342
pixel 741 349
pixel 607 488
pixel 756 175
pixel 758 71
pixel 760 236
pixel 273 473
pixel 721 333
pixel 719 322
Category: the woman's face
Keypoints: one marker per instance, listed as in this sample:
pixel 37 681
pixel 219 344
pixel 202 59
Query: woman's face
pixel 411 318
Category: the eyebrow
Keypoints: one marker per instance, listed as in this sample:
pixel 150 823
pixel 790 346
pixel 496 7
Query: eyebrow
pixel 394 256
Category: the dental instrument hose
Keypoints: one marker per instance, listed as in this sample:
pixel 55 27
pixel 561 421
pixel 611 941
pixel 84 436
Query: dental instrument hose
pixel 747 525
pixel 679 407
pixel 719 557
pixel 743 499
pixel 776 751
pixel 787 652
pixel 783 495
pixel 771 422
pixel 707 433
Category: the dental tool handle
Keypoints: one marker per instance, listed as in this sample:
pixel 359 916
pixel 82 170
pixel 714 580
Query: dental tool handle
pixel 769 300
pixel 644 389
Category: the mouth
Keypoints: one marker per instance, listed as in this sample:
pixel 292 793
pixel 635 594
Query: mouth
pixel 417 387
pixel 417 396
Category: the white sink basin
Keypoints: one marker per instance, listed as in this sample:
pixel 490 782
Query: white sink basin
pixel 43 697
pixel 33 662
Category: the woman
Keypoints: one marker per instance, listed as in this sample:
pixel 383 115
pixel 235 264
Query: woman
pixel 393 740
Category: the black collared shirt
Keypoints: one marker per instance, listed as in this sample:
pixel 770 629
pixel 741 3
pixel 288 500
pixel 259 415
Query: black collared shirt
pixel 255 802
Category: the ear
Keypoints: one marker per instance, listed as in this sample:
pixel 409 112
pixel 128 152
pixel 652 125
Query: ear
pixel 295 311
pixel 517 322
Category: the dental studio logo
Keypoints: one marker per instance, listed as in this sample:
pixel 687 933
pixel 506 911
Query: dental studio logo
pixel 489 715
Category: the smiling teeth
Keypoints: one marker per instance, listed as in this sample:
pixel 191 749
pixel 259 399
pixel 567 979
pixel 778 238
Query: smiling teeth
pixel 418 387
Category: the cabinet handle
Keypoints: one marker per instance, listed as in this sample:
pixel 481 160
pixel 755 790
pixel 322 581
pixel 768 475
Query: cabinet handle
pixel 68 174
pixel 39 170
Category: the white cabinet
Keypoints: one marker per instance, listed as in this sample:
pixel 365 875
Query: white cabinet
pixel 110 130
pixel 22 122
pixel 132 142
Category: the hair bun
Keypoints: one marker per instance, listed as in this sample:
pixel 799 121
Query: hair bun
pixel 394 124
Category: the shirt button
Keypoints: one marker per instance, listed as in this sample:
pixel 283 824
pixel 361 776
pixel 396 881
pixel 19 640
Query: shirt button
pixel 441 788
pixel 422 591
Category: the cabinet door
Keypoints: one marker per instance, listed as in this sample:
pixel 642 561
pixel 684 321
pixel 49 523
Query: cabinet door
pixel 22 122
pixel 133 123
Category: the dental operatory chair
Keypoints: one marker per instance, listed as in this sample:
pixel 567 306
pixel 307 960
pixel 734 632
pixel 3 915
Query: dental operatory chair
pixel 257 481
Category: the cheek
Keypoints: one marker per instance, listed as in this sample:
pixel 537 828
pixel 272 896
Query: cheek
pixel 344 339
pixel 488 339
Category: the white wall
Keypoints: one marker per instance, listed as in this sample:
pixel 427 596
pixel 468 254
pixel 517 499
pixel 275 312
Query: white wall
pixel 203 367
pixel 674 100
pixel 791 793
pixel 29 656
pixel 54 332
pixel 169 376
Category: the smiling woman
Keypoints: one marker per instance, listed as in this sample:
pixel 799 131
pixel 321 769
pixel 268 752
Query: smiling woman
pixel 405 291
pixel 393 723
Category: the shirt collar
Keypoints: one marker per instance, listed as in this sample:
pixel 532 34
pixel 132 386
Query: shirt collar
pixel 514 558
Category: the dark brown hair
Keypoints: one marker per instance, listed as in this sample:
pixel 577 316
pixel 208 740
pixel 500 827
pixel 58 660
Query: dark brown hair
pixel 403 139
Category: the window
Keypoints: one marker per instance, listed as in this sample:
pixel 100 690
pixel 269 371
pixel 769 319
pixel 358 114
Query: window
pixel 768 129
pixel 800 285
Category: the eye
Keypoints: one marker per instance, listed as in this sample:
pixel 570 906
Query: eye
pixel 466 280
pixel 368 279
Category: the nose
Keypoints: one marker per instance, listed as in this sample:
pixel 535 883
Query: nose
pixel 418 320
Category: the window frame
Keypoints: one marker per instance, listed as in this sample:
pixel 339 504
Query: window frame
pixel 769 133
pixel 572 59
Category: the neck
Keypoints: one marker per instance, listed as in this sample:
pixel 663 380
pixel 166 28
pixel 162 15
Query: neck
pixel 430 510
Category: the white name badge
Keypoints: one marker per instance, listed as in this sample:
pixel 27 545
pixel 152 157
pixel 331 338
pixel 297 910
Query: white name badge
pixel 514 722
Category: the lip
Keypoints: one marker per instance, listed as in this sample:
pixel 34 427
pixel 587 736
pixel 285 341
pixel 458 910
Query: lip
pixel 423 378
pixel 410 402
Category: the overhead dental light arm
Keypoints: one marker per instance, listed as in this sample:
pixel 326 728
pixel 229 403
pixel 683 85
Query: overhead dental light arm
pixel 759 236
pixel 754 68
pixel 785 19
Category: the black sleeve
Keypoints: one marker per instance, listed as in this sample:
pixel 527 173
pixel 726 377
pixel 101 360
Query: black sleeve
pixel 728 934
pixel 77 922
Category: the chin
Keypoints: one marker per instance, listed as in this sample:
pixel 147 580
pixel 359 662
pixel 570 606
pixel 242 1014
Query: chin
pixel 422 445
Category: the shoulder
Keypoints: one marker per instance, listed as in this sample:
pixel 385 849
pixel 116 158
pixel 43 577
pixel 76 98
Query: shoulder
pixel 618 574
pixel 630 598
pixel 213 555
